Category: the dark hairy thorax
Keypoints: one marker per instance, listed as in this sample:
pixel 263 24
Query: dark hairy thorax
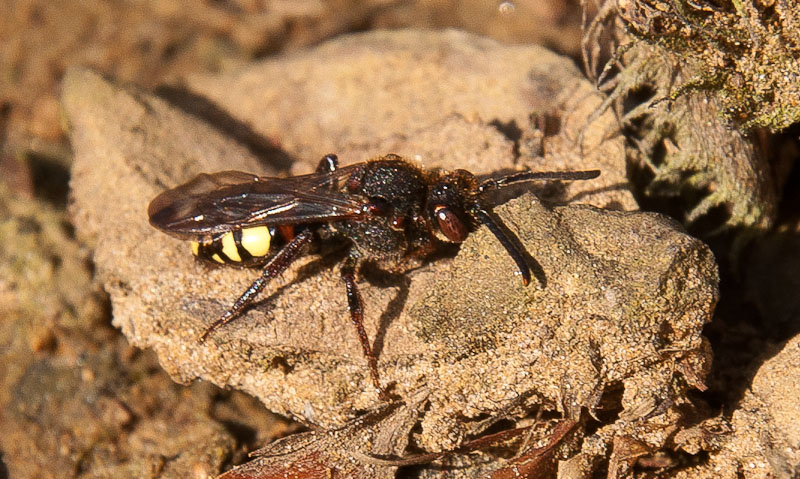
pixel 395 191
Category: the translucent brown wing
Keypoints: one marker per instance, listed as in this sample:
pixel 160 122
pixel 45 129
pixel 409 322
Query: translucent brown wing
pixel 214 203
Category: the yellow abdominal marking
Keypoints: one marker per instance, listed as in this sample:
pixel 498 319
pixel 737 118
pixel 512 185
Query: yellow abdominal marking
pixel 255 240
pixel 217 258
pixel 195 248
pixel 229 247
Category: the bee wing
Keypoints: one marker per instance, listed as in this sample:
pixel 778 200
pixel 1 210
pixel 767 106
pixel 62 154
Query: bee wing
pixel 214 203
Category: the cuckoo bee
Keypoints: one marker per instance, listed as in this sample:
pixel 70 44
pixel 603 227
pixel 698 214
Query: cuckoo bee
pixel 386 210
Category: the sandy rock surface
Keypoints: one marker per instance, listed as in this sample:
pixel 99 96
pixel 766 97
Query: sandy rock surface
pixel 620 297
pixel 760 440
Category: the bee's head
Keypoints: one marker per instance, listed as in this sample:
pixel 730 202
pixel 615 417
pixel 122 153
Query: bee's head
pixel 455 207
pixel 449 205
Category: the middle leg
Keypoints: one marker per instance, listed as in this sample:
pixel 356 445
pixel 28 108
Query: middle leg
pixel 356 306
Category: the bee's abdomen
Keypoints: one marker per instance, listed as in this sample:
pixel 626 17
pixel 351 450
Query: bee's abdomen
pixel 244 246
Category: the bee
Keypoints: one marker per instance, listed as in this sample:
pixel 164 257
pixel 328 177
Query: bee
pixel 385 211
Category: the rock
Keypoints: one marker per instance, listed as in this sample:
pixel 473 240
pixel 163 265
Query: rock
pixel 620 297
pixel 762 438
pixel 775 386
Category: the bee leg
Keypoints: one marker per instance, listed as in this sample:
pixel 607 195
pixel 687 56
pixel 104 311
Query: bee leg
pixel 486 217
pixel 276 265
pixel 356 306
pixel 328 164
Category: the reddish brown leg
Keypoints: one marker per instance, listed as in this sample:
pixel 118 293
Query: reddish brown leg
pixel 356 306
pixel 274 267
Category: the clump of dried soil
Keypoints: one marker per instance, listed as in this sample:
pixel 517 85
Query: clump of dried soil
pixel 612 325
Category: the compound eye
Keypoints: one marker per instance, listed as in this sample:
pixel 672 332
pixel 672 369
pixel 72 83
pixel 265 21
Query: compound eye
pixel 450 225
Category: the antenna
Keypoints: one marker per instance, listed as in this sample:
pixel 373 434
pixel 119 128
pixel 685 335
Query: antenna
pixel 495 183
